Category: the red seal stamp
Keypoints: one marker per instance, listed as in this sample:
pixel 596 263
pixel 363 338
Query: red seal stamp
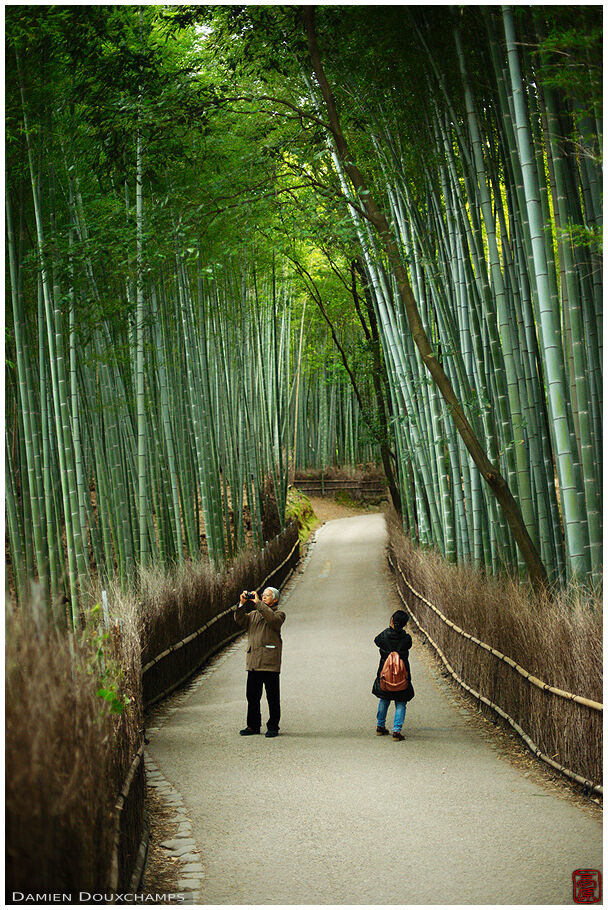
pixel 587 886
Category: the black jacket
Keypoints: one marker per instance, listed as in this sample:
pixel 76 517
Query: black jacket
pixel 401 642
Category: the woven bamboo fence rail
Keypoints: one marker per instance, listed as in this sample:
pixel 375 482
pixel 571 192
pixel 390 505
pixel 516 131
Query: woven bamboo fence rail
pixel 329 486
pixel 189 638
pixel 127 839
pixel 213 641
pixel 586 703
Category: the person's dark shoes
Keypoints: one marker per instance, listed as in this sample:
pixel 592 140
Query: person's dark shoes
pixel 381 731
pixel 271 733
pixel 249 732
pixel 399 737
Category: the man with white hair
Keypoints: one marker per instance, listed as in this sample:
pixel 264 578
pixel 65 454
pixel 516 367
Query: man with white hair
pixel 264 646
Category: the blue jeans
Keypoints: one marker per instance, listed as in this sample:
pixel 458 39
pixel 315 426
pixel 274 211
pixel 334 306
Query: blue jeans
pixel 400 707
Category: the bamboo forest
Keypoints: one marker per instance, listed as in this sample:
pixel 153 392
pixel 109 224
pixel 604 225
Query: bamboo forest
pixel 251 249
pixel 243 240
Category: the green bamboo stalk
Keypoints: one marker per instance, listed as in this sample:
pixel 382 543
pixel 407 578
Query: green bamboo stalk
pixel 575 526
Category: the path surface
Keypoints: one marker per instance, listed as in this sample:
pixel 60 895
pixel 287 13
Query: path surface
pixel 328 813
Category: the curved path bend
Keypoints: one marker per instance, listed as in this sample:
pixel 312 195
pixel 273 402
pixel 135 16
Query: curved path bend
pixel 328 813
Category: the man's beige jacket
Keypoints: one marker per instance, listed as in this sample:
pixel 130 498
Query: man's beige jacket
pixel 264 643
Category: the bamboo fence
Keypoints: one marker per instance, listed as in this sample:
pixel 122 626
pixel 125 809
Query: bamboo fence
pixel 128 838
pixel 173 666
pixel 556 730
pixel 168 670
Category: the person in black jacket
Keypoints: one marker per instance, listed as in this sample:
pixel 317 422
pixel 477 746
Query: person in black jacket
pixel 395 638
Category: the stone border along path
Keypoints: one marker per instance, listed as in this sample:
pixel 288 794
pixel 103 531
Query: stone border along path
pixel 183 846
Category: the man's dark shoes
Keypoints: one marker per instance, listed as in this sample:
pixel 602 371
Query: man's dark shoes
pixel 271 733
pixel 249 732
pixel 381 731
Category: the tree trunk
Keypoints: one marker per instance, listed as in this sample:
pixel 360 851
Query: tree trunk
pixel 495 480
pixel 380 382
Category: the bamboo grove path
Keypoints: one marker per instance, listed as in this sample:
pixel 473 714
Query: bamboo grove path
pixel 328 813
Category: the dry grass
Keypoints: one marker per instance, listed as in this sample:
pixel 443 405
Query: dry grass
pixel 162 869
pixel 67 754
pixel 175 604
pixel 558 640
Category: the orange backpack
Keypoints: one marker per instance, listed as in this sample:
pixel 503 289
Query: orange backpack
pixel 394 676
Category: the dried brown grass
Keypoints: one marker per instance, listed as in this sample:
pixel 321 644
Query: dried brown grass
pixel 177 603
pixel 556 638
pixel 67 755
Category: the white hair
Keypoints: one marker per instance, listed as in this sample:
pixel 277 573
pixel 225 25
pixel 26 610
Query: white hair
pixel 275 593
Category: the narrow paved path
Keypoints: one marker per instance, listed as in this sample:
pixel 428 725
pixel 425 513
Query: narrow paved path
pixel 328 813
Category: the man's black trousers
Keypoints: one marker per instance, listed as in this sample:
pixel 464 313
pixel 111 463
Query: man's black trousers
pixel 256 679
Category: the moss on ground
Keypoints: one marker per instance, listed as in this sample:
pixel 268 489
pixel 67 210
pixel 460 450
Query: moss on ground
pixel 344 498
pixel 300 508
